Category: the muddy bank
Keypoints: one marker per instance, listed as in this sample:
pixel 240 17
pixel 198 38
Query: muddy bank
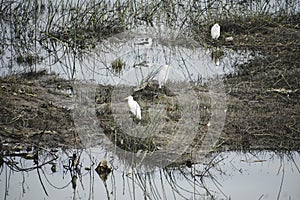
pixel 30 112
pixel 262 118
pixel 264 96
pixel 35 110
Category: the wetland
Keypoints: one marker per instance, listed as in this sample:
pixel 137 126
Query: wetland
pixel 226 125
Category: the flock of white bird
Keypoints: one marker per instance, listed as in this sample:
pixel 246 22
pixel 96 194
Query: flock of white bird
pixel 163 75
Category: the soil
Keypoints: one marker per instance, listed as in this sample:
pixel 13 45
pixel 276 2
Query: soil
pixel 28 113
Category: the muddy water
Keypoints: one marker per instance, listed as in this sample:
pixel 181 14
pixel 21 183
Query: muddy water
pixel 229 175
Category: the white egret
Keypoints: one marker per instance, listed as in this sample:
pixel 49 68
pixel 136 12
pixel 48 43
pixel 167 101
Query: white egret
pixel 134 107
pixel 215 31
pixel 163 75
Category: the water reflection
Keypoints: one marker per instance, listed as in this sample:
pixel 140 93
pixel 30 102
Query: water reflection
pixel 68 43
pixel 228 175
pixel 58 35
pixel 64 37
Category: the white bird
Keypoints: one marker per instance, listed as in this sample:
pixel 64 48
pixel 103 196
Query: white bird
pixel 215 31
pixel 134 107
pixel 163 75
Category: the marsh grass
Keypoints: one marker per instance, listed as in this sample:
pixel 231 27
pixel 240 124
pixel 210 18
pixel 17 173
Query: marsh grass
pixel 117 65
pixel 44 29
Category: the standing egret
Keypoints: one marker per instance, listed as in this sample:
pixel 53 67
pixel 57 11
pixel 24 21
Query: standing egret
pixel 134 107
pixel 215 31
pixel 163 75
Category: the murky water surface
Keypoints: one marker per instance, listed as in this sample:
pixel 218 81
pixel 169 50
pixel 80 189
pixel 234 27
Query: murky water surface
pixel 229 175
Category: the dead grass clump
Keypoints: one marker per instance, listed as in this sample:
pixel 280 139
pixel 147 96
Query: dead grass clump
pixel 264 94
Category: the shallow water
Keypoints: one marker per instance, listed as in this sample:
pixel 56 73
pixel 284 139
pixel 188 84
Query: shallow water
pixel 230 175
pixel 142 60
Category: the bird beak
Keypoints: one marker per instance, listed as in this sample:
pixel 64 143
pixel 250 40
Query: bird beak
pixel 126 98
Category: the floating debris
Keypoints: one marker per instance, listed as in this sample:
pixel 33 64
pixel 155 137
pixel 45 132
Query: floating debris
pixel 103 170
pixel 229 39
pixel 74 182
pixel 53 168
